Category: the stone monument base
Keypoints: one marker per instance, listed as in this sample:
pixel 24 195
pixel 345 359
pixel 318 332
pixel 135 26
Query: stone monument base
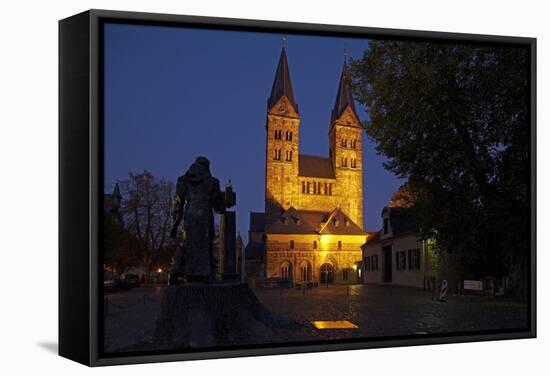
pixel 212 315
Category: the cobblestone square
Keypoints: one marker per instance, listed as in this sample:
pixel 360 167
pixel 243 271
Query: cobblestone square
pixel 376 310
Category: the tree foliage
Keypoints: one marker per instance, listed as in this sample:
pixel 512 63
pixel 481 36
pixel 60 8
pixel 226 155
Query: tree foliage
pixel 454 120
pixel 121 249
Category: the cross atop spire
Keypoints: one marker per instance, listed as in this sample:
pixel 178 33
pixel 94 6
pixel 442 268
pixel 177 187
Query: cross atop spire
pixel 344 97
pixel 282 84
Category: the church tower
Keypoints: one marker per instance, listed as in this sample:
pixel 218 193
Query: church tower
pixel 346 150
pixel 282 130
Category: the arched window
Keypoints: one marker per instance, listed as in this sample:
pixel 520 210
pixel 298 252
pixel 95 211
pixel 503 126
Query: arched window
pixel 305 271
pixel 326 273
pixel 344 162
pixel 315 244
pixel 290 136
pixel 289 155
pixel 286 271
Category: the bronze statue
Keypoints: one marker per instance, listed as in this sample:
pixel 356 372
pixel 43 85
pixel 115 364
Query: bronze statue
pixel 197 194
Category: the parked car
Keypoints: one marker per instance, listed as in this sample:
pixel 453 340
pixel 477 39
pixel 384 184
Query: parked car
pixel 112 282
pixel 132 280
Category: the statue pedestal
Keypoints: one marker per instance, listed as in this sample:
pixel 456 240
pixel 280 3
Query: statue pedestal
pixel 212 315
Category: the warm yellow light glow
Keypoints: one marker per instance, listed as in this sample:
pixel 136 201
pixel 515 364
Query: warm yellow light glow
pixel 339 324
pixel 355 267
pixel 159 270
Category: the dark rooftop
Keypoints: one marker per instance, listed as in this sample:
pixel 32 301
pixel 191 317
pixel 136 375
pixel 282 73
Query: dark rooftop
pixel 315 167
pixel 295 221
pixel 254 251
pixel 402 222
pixel 257 222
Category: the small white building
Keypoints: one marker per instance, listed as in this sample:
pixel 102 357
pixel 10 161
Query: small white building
pixel 396 254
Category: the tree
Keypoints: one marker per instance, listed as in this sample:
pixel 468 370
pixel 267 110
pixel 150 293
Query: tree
pixel 403 197
pixel 454 120
pixel 121 249
pixel 146 211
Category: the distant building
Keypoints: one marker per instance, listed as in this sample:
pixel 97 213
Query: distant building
pixel 112 203
pixel 255 249
pixel 313 222
pixel 396 254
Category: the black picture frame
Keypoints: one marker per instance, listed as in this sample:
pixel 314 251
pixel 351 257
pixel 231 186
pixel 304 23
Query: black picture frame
pixel 80 183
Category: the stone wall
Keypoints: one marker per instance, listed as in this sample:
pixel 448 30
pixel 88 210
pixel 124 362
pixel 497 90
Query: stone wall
pixel 346 142
pixel 281 174
pixel 305 252
pixel 404 277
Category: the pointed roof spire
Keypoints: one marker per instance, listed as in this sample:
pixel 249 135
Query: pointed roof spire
pixel 116 192
pixel 282 84
pixel 344 98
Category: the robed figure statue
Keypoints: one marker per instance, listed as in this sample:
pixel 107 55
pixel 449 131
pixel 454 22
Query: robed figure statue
pixel 197 195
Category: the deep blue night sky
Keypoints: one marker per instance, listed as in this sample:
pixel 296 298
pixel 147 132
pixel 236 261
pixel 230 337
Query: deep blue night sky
pixel 172 94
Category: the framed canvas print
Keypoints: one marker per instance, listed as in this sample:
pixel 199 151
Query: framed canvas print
pixel 240 187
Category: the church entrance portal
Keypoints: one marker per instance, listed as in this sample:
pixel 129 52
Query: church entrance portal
pixel 327 273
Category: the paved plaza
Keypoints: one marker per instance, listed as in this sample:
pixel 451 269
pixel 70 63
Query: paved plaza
pixel 376 310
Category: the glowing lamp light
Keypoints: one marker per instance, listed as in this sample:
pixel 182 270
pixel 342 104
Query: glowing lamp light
pixel 159 270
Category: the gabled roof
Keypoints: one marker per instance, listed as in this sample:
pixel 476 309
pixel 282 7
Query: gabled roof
pixel 338 223
pixel 344 97
pixel 315 167
pixel 294 221
pixel 282 84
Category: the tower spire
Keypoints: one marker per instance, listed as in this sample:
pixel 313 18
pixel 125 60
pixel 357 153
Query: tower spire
pixel 282 84
pixel 116 191
pixel 344 96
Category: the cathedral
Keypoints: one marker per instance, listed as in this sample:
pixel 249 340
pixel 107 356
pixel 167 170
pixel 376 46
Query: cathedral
pixel 312 227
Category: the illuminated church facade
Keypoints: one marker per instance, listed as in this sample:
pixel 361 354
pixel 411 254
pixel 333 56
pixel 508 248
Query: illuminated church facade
pixel 313 220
